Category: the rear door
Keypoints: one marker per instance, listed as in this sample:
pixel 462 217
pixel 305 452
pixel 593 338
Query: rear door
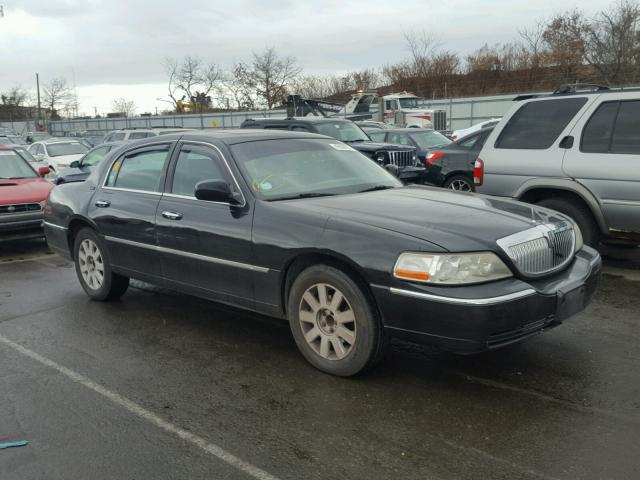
pixel 525 145
pixel 124 208
pixel 605 157
pixel 205 245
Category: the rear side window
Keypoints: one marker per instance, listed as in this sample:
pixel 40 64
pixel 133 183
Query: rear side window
pixel 194 165
pixel 596 136
pixel 470 142
pixel 136 135
pixel 626 136
pixel 114 137
pixel 536 125
pixel 377 136
pixel 139 171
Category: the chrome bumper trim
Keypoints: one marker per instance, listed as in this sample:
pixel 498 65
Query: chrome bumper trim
pixel 463 301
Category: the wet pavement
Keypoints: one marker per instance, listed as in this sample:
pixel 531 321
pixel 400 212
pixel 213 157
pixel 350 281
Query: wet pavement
pixel 165 386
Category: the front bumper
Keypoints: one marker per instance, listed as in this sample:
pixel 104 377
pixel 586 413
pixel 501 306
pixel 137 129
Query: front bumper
pixel 21 226
pixel 483 317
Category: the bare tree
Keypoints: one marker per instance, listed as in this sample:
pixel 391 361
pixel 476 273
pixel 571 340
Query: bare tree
pixel 122 105
pixel 13 103
pixel 272 76
pixel 612 41
pixel 240 87
pixel 564 38
pixel 192 81
pixel 57 95
pixel 533 43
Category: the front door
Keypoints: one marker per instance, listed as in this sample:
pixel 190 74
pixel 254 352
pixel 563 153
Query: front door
pixel 205 245
pixel 605 158
pixel 124 208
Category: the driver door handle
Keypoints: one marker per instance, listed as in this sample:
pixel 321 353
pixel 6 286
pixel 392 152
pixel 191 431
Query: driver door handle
pixel 171 215
pixel 102 203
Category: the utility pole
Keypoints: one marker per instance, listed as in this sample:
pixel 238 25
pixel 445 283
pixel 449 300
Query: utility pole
pixel 95 111
pixel 38 89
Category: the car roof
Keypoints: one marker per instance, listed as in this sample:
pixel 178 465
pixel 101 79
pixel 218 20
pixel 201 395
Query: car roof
pixel 234 136
pixel 49 141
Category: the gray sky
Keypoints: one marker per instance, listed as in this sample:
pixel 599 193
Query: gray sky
pixel 116 48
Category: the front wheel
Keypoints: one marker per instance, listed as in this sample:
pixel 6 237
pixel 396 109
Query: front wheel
pixel 93 268
pixel 333 322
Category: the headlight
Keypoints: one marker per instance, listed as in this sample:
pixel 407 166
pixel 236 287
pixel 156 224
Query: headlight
pixel 579 241
pixel 450 268
pixel 380 157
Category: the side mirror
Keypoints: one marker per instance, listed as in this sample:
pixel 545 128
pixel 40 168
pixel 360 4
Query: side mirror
pixel 216 191
pixel 74 164
pixel 44 171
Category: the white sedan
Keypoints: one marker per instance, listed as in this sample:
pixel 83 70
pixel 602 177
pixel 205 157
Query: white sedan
pixel 58 153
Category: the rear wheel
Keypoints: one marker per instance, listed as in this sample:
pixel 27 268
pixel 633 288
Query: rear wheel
pixel 333 322
pixel 580 214
pixel 93 268
pixel 459 183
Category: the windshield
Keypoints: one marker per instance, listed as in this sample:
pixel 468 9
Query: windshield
pixel 24 153
pixel 279 169
pixel 13 165
pixel 409 103
pixel 71 148
pixel 344 131
pixel 429 138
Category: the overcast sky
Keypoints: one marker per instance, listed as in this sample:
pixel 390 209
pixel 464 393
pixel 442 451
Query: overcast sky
pixel 116 48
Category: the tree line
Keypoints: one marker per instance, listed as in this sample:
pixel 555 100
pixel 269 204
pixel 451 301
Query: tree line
pixel 568 47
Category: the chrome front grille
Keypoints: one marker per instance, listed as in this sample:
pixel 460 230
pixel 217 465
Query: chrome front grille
pixel 19 208
pixel 542 249
pixel 402 159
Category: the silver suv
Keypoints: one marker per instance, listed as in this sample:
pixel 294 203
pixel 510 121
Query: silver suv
pixel 577 152
pixel 126 134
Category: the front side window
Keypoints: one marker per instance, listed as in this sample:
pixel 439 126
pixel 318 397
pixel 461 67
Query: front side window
pixel 626 137
pixel 139 170
pixel 295 168
pixel 538 124
pixel 596 136
pixel 94 157
pixel 426 139
pixel 71 148
pixel 399 139
pixel 377 136
pixel 194 165
pixel 409 103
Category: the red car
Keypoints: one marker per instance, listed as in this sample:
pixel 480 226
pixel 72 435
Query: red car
pixel 23 194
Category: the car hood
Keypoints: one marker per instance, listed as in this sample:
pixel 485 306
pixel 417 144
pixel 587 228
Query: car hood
pixel 23 190
pixel 376 147
pixel 455 221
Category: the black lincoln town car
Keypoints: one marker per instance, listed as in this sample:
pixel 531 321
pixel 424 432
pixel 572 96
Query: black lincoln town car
pixel 303 227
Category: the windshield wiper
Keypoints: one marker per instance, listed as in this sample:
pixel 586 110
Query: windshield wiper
pixel 376 187
pixel 356 140
pixel 302 195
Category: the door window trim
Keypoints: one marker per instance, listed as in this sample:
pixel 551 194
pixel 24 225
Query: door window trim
pixel 141 148
pixel 172 168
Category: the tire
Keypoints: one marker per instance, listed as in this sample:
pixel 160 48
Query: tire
pixel 339 346
pixel 580 214
pixel 89 254
pixel 459 183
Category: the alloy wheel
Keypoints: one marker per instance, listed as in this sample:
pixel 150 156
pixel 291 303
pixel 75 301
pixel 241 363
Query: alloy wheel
pixel 91 264
pixel 328 322
pixel 460 185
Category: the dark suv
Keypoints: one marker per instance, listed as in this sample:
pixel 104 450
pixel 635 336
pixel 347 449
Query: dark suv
pixel 400 160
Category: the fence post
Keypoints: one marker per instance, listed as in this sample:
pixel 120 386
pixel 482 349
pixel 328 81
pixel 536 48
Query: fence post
pixel 471 113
